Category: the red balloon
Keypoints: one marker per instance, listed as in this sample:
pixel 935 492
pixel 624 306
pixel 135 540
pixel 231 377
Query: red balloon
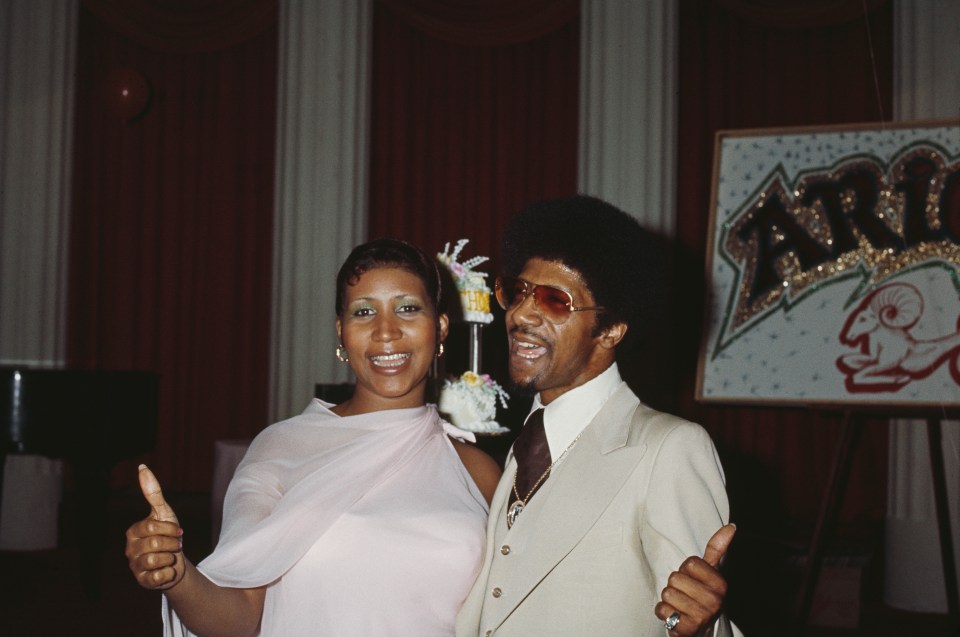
pixel 128 93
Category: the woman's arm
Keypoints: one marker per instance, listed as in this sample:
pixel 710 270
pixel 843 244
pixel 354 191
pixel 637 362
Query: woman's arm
pixel 209 610
pixel 482 468
pixel 155 555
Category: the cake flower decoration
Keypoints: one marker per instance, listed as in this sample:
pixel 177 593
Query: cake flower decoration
pixel 470 402
pixel 471 284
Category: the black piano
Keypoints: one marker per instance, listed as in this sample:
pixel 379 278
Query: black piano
pixel 89 418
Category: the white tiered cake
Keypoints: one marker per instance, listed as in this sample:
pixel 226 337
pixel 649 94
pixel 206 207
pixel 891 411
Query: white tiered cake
pixel 470 400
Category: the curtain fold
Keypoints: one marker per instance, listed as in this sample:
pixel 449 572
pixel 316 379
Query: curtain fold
pixel 37 57
pixel 186 27
pixel 463 137
pixel 789 14
pixel 170 250
pixel 628 108
pixel 484 22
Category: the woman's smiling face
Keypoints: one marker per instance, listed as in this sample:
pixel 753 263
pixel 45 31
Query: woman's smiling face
pixel 389 330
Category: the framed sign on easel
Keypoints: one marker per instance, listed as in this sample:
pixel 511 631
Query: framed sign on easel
pixel 833 270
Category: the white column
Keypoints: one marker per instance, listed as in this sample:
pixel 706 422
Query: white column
pixel 37 67
pixel 321 186
pixel 926 86
pixel 37 61
pixel 628 81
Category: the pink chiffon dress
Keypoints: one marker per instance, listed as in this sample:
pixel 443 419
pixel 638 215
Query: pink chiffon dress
pixel 363 525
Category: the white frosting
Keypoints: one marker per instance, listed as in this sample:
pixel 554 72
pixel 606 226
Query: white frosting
pixel 470 403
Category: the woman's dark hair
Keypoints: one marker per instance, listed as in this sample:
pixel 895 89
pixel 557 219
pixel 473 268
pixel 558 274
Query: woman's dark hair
pixel 621 263
pixel 389 253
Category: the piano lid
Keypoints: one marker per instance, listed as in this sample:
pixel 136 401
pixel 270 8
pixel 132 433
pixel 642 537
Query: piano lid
pixel 68 413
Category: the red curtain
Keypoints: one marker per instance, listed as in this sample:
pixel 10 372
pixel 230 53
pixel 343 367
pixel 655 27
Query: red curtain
pixel 474 115
pixel 171 249
pixel 186 27
pixel 744 66
pixel 485 22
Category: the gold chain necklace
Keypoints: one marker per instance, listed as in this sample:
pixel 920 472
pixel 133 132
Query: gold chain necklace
pixel 518 505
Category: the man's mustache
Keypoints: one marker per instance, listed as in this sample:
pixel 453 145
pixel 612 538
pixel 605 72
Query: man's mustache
pixel 526 331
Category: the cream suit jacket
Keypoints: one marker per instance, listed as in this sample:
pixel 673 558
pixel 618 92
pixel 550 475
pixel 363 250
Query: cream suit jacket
pixel 638 493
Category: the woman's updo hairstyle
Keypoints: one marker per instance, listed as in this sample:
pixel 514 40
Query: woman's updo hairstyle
pixel 389 253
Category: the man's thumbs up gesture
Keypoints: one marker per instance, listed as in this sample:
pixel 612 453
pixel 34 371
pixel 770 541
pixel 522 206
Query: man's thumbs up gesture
pixel 694 595
pixel 154 546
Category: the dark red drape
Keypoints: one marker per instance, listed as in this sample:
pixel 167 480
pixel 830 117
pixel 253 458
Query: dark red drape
pixel 172 222
pixel 474 115
pixel 185 27
pixel 463 136
pixel 482 22
pixel 754 69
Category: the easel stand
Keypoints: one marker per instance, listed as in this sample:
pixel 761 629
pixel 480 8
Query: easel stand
pixel 851 430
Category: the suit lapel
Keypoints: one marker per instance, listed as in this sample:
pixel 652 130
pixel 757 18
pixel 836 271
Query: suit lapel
pixel 572 500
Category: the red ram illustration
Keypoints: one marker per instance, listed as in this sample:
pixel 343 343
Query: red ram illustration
pixel 889 357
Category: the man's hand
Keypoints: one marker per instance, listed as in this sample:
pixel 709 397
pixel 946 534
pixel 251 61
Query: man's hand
pixel 154 546
pixel 696 591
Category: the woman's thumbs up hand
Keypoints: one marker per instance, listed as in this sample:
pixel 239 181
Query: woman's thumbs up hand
pixel 154 544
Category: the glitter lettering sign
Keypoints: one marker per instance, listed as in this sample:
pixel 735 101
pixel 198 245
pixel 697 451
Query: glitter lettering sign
pixel 834 267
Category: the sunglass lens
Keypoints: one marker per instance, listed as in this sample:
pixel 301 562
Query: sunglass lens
pixel 509 291
pixel 554 302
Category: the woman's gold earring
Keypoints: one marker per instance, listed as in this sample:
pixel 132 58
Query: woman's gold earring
pixel 440 353
pixel 341 356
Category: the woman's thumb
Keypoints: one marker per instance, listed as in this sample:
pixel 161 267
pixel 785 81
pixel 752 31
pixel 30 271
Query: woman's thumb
pixel 150 487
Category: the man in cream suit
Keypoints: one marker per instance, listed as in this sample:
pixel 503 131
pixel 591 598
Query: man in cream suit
pixel 585 543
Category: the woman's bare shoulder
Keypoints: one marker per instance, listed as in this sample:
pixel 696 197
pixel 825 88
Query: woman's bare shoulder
pixel 482 468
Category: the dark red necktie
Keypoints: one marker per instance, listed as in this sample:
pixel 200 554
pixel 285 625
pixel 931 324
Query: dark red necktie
pixel 532 454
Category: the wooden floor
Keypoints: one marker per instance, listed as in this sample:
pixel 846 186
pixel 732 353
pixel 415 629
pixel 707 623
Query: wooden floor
pixel 41 592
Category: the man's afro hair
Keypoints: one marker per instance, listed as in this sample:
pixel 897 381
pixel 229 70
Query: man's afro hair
pixel 621 262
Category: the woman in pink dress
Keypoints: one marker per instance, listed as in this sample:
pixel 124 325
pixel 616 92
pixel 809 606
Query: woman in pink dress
pixel 363 518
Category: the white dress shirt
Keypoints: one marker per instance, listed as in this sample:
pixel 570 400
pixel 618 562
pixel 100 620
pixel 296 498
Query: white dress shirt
pixel 567 416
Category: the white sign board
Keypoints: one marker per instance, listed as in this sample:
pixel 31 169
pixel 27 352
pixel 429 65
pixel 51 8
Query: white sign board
pixel 833 267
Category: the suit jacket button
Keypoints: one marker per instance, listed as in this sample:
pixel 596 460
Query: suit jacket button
pixel 496 592
pixel 505 549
